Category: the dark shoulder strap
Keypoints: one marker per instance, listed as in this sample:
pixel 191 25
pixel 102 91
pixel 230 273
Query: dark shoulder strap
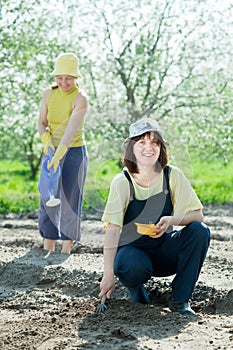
pixel 166 186
pixel 131 188
pixel 166 171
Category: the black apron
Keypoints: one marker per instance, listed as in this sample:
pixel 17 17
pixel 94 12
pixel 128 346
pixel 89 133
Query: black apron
pixel 145 211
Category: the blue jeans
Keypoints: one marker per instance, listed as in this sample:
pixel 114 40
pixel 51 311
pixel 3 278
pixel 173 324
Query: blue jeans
pixel 180 253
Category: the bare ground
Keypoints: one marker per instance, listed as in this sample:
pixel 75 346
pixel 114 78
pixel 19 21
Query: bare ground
pixel 48 301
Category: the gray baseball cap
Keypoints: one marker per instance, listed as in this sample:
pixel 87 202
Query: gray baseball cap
pixel 142 126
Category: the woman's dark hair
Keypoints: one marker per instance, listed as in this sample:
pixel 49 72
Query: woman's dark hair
pixel 129 159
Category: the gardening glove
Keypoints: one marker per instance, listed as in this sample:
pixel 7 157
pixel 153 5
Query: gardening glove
pixel 47 142
pixel 58 155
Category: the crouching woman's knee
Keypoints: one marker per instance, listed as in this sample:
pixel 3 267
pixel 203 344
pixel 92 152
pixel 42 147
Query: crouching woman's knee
pixel 200 231
pixel 132 266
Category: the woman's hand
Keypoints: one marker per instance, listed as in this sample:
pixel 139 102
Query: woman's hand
pixel 59 154
pixel 178 220
pixel 107 286
pixel 162 226
pixel 110 247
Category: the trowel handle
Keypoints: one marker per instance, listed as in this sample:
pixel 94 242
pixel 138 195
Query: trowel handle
pixel 50 153
pixel 50 157
pixel 51 171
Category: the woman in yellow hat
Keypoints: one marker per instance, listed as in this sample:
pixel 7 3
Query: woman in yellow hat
pixel 60 126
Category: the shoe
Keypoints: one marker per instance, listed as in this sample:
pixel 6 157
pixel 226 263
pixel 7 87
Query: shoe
pixel 183 308
pixel 139 295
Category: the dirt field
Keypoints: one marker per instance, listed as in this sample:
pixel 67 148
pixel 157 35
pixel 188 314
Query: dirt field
pixel 48 301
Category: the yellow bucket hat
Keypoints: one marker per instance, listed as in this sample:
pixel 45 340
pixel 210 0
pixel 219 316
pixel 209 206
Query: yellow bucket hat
pixel 68 64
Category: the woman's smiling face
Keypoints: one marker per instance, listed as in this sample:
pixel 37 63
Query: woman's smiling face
pixel 65 82
pixel 147 149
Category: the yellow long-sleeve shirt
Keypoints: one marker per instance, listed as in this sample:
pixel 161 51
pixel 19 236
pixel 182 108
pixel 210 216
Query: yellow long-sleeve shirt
pixel 184 199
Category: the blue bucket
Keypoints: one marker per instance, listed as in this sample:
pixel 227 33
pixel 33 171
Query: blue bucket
pixel 49 182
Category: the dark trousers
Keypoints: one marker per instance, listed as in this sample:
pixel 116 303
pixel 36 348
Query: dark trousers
pixel 63 221
pixel 180 253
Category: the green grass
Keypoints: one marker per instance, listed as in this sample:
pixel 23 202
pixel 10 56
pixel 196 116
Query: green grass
pixel 19 193
pixel 213 181
pixel 97 184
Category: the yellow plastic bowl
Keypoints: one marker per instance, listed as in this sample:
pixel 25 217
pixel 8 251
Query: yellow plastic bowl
pixel 146 229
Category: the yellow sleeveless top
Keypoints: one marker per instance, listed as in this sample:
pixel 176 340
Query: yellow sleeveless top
pixel 60 104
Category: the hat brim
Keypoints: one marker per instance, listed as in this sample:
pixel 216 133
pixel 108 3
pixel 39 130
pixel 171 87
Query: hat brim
pixel 72 74
pixel 127 140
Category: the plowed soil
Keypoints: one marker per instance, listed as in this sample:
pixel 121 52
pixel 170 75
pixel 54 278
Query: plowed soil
pixel 48 301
